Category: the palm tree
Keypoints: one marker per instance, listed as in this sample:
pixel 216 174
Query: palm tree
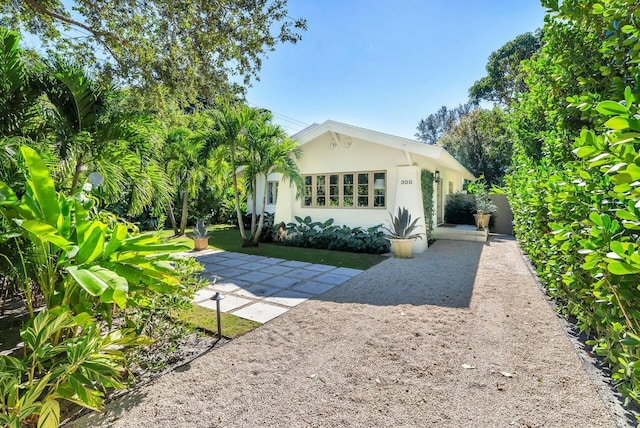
pixel 226 143
pixel 89 137
pixel 185 168
pixel 269 150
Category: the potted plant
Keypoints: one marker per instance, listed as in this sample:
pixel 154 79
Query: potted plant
pixel 484 208
pixel 200 236
pixel 401 233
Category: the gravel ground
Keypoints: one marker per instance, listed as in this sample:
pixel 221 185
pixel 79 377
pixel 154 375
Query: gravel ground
pixel 460 336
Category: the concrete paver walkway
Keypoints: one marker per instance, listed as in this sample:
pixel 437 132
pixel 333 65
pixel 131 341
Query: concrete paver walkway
pixel 262 288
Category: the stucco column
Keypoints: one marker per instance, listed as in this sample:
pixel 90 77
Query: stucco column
pixel 409 195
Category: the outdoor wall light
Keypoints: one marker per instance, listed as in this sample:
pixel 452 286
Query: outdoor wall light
pixel 217 297
pixel 436 176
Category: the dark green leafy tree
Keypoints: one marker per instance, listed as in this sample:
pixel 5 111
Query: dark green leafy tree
pixel 439 123
pixel 188 47
pixel 481 141
pixel 505 77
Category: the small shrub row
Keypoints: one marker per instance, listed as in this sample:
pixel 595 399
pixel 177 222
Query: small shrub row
pixel 310 234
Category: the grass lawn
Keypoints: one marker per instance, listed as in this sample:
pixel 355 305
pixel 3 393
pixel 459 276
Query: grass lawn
pixel 205 319
pixel 227 238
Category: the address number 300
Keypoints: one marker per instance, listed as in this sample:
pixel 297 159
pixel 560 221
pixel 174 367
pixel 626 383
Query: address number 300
pixel 406 181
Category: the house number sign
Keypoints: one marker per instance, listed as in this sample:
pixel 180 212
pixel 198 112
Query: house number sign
pixel 406 181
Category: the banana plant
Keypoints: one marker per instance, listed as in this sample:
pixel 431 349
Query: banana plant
pixel 81 259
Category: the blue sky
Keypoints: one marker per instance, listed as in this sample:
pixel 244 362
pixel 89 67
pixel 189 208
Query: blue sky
pixel 385 65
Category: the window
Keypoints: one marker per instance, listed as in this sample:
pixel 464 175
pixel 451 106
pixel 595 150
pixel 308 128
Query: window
pixel 272 192
pixel 345 190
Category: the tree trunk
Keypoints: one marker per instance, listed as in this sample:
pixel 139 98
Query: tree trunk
pixel 253 211
pixel 76 174
pixel 185 208
pixel 264 205
pixel 236 194
pixel 172 219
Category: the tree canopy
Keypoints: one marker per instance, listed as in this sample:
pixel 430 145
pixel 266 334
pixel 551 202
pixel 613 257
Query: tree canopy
pixel 505 77
pixel 195 49
pixel 437 124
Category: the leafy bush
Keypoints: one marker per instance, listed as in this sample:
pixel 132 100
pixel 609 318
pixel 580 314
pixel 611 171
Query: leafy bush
pixel 573 191
pixel 88 266
pixel 307 233
pixel 459 209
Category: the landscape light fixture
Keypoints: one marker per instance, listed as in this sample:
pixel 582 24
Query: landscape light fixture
pixel 217 297
pixel 436 176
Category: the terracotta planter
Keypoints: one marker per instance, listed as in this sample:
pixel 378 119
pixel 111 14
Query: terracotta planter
pixel 402 248
pixel 200 243
pixel 482 220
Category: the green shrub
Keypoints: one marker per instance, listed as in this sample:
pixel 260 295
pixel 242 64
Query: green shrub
pixel 310 234
pixel 459 209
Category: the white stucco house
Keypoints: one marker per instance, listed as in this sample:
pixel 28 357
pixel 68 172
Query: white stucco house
pixel 356 176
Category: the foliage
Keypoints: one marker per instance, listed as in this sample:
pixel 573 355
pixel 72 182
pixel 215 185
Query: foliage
pixel 185 48
pixel 437 124
pixel 245 138
pixel 87 265
pixel 479 189
pixel 481 142
pixel 314 234
pixel 79 369
pixel 573 185
pixel 200 231
pixel 505 77
pixel 401 226
pixel 459 209
pixel 426 183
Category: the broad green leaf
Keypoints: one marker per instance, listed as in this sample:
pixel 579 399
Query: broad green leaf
pixel 617 123
pixel 93 244
pixel 49 414
pixel 46 232
pixel 595 218
pixel 112 279
pixel 42 185
pixel 585 151
pixel 7 197
pixel 622 268
pixel 611 108
pixel 88 280
pixel 626 215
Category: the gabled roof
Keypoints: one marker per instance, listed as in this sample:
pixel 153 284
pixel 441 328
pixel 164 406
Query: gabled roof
pixel 435 152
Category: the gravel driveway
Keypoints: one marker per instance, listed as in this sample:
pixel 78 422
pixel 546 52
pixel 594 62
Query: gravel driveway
pixel 460 336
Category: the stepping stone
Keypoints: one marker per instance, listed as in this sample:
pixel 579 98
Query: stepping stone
pixel 253 258
pixel 302 273
pixel 314 287
pixel 231 272
pixel 231 255
pixel 214 258
pixel 332 278
pixel 227 286
pixel 254 266
pixel 254 276
pixel 320 268
pixel 277 270
pixel 232 262
pixel 281 281
pixel 295 264
pixel 203 294
pixel 347 271
pixel 288 298
pixel 257 291
pixel 260 312
pixel 227 304
pixel 272 261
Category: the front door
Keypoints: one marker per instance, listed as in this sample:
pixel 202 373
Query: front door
pixel 439 200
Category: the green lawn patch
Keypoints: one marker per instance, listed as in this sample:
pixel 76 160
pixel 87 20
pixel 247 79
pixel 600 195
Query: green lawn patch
pixel 227 237
pixel 205 319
